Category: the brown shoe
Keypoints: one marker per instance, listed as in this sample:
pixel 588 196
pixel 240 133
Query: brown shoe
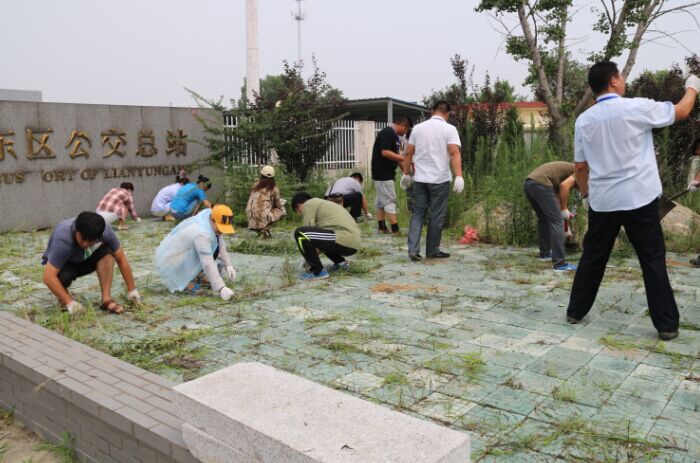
pixel 668 336
pixel 169 218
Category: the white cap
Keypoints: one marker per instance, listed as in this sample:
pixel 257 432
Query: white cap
pixel 268 171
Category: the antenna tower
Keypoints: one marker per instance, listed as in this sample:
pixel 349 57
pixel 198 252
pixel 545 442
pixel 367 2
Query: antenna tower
pixel 299 15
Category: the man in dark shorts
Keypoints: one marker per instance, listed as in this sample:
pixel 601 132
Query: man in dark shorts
pixel 385 159
pixel 78 247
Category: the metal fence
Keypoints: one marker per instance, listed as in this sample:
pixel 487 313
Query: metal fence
pixel 340 154
pixel 239 152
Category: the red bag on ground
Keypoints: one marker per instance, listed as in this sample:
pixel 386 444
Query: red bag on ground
pixel 469 236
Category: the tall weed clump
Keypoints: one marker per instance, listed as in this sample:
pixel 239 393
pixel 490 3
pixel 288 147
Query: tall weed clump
pixel 238 180
pixel 495 201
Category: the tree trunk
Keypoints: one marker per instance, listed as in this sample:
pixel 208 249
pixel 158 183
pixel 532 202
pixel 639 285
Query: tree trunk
pixel 562 55
pixel 558 119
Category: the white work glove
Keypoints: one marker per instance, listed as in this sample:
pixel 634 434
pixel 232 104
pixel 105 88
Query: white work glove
pixel 231 272
pixel 226 293
pixel 74 307
pixel 369 216
pixel 405 182
pixel 459 185
pixel 139 220
pixel 134 296
pixel 693 82
pixel 566 215
pixel 694 185
pixel 567 233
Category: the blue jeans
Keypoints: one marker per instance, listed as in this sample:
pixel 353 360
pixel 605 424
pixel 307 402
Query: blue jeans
pixel 426 196
pixel 187 212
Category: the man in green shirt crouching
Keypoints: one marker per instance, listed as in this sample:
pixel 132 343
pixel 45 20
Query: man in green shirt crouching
pixel 326 228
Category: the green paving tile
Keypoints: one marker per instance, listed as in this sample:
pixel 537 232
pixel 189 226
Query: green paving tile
pixel 491 354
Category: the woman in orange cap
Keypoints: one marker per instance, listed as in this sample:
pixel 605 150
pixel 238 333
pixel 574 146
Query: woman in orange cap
pixel 186 258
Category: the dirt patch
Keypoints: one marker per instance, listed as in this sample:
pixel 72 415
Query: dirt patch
pixel 391 288
pixel 676 263
pixel 17 444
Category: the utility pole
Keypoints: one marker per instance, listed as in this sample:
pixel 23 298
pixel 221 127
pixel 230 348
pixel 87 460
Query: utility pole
pixel 252 78
pixel 299 16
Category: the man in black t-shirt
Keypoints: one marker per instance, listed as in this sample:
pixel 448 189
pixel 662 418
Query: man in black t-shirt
pixel 385 159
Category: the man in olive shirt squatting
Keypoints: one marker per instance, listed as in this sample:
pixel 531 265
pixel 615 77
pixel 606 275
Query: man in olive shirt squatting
pixel 81 246
pixel 547 188
pixel 385 159
pixel 616 168
pixel 328 228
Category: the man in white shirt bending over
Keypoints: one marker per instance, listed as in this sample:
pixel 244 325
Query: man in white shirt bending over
pixel 432 148
pixel 616 168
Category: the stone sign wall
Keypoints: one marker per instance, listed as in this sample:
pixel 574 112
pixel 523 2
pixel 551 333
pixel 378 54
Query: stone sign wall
pixel 59 159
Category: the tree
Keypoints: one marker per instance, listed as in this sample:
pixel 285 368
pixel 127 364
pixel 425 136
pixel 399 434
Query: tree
pixel 478 111
pixel 291 117
pixel 672 144
pixel 542 41
pixel 272 89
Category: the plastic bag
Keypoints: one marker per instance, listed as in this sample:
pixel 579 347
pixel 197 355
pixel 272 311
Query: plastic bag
pixel 470 236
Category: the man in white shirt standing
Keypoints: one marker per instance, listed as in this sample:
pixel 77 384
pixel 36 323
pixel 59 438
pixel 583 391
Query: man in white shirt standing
pixel 432 148
pixel 616 169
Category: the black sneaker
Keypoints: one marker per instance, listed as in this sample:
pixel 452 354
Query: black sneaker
pixel 695 262
pixel 572 320
pixel 415 257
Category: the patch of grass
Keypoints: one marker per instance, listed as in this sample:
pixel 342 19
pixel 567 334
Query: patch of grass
pixel 397 378
pixel 316 321
pixel 690 326
pixel 469 365
pixel 63 450
pixel 564 393
pixel 589 441
pixel 624 344
pixel 289 273
pixel 366 252
pixel 4 447
pixel 155 353
pixel 7 416
pixel 284 245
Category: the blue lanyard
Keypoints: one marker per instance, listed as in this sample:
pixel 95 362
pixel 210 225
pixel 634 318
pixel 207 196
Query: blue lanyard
pixel 607 98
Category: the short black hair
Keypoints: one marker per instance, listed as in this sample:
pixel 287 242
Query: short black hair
pixel 127 186
pixel 358 176
pixel 404 120
pixel 182 180
pixel 600 74
pixel 442 106
pixel 90 225
pixel 300 198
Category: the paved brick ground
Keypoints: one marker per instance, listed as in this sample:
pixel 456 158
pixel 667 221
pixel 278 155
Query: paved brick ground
pixel 477 342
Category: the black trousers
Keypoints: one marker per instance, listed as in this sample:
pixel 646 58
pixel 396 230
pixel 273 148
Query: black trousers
pixel 311 240
pixel 72 271
pixel 643 228
pixel 354 202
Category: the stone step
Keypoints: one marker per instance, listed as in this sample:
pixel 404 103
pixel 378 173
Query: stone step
pixel 254 412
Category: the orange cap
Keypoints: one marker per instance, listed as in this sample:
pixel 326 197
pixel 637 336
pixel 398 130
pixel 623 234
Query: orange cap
pixel 223 216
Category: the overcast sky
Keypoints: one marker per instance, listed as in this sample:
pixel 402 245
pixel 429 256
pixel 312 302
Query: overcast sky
pixel 143 52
